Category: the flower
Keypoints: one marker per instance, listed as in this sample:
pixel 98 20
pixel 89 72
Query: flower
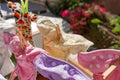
pixel 87 5
pixel 83 23
pixel 97 7
pixel 65 13
pixel 80 17
pixel 102 10
pixel 86 14
pixel 78 14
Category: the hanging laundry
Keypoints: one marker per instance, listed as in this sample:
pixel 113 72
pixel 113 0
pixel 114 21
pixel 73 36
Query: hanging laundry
pixel 31 58
pixel 6 65
pixel 56 69
pixel 99 61
pixel 25 69
pixel 58 43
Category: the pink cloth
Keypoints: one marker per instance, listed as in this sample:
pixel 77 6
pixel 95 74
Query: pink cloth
pixel 25 68
pixel 99 60
pixel 98 77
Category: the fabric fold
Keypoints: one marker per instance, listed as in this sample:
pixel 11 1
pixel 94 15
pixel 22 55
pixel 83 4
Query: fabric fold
pixel 58 43
pixel 98 61
pixel 25 69
pixel 56 69
pixel 6 65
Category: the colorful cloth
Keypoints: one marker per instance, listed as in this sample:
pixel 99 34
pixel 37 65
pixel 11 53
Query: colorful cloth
pixel 99 60
pixel 24 67
pixel 23 20
pixel 25 63
pixel 58 43
pixel 55 69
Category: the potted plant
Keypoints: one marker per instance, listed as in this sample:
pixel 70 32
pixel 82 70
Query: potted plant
pixel 85 18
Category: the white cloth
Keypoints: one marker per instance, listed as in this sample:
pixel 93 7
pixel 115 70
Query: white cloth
pixel 2 78
pixel 58 43
pixel 6 65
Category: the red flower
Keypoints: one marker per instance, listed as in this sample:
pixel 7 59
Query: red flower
pixel 86 5
pixel 86 14
pixel 72 15
pixel 65 13
pixel 83 23
pixel 79 8
pixel 74 26
pixel 102 10
pixel 97 7
pixel 78 14
pixel 72 21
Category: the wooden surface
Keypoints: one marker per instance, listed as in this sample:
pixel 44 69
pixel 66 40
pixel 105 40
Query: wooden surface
pixel 110 5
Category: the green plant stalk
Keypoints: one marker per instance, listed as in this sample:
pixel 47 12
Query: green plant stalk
pixel 24 6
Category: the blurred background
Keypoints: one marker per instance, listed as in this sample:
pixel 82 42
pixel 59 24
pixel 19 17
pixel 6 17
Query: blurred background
pixel 96 20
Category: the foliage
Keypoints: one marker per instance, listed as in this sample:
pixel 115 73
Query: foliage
pixel 24 6
pixel 56 8
pixel 63 5
pixel 115 22
pixel 116 45
pixel 73 3
pixel 85 16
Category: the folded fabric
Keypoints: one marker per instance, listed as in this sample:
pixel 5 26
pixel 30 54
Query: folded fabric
pixel 98 76
pixel 25 63
pixel 2 78
pixel 56 69
pixel 6 65
pixel 58 43
pixel 24 57
pixel 99 60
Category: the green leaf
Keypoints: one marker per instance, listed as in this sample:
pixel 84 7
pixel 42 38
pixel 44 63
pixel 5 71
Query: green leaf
pixel 24 6
pixel 96 21
pixel 116 29
pixel 113 22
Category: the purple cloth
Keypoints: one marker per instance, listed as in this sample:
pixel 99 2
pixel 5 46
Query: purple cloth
pixel 55 69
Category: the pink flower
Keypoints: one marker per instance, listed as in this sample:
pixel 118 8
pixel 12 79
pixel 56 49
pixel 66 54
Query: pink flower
pixel 86 14
pixel 83 23
pixel 102 10
pixel 74 26
pixel 65 13
pixel 79 14
pixel 72 14
pixel 78 8
pixel 83 19
pixel 87 5
pixel 97 7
